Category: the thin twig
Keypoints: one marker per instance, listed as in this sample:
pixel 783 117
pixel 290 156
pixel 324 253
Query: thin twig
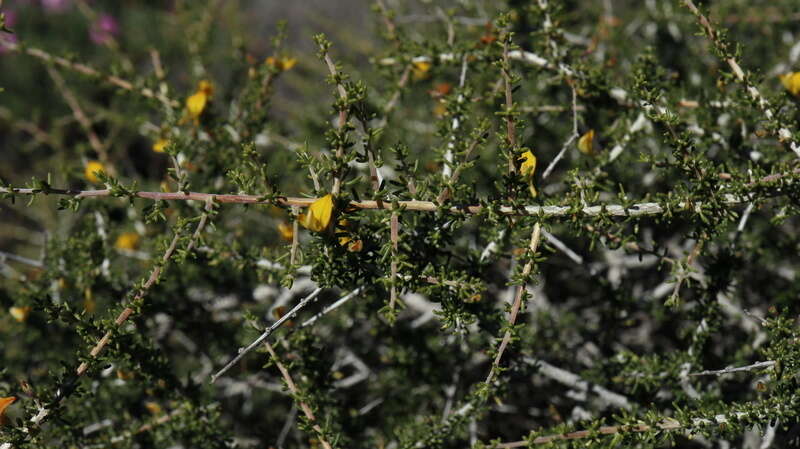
pixel 783 134
pixel 82 119
pixel 291 314
pixel 294 390
pixel 337 180
pixel 576 382
pixel 88 71
pixel 287 427
pixel 24 260
pixel 737 369
pixel 515 308
pixel 614 210
pixel 154 275
pixel 511 127
pixel 332 307
pixel 394 235
pixel 569 141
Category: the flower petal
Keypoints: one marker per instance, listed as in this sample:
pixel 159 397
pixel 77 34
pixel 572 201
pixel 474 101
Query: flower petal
pixel 319 214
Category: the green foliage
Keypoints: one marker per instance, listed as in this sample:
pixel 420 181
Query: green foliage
pixel 637 290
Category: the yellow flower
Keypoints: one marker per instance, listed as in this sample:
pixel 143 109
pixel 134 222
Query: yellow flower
pixel 586 143
pixel 127 240
pixel 288 63
pixel 124 375
pixel 440 109
pixel 196 103
pixel 153 407
pixel 4 403
pixel 319 214
pixel 90 169
pixel 791 81
pixel 355 246
pixel 420 69
pixel 20 313
pixel 206 87
pixel 160 145
pixel 282 64
pixel 528 166
pixel 286 231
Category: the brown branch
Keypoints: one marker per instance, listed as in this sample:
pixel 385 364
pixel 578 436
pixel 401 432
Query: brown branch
pixel 82 119
pixel 394 231
pixel 515 308
pixel 614 210
pixel 763 104
pixel 337 180
pixel 296 392
pixel 154 275
pixel 89 71
pixel 511 127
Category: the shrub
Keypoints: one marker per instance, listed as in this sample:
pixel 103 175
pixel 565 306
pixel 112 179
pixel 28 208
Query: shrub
pixel 494 225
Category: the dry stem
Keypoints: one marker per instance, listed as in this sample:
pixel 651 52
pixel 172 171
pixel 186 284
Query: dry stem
pixel 86 70
pixel 515 308
pixel 294 390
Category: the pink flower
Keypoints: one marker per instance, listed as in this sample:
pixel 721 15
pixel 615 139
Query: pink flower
pixel 56 5
pixel 104 29
pixel 11 18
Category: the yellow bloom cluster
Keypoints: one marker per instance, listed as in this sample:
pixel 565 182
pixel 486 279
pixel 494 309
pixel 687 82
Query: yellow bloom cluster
pixel 282 64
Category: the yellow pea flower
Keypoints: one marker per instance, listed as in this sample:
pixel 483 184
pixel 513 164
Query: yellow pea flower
pixel 128 241
pixel 90 169
pixel 153 407
pixel 528 168
pixel 206 87
pixel 160 145
pixel 4 403
pixel 286 231
pixel 282 64
pixel 586 143
pixel 319 214
pixel 288 63
pixel 355 246
pixel 196 103
pixel 420 69
pixel 20 313
pixel 791 81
